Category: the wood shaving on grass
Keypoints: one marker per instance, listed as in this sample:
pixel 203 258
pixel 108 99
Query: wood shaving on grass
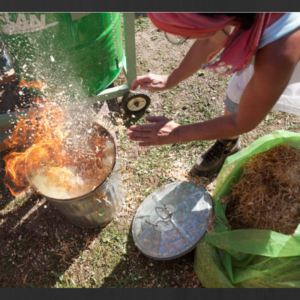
pixel 267 195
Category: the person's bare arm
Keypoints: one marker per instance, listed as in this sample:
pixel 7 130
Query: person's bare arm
pixel 274 66
pixel 195 58
pixel 192 62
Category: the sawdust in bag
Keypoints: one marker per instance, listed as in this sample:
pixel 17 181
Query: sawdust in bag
pixel 246 258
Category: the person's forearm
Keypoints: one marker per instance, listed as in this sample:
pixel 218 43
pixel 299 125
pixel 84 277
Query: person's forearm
pixel 193 61
pixel 219 128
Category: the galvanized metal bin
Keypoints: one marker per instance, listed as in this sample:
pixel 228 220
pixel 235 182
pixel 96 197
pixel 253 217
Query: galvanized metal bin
pixel 90 211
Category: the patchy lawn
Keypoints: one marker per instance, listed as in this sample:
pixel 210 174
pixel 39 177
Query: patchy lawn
pixel 40 248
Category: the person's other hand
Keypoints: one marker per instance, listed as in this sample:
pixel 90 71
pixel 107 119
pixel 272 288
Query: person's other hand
pixel 162 131
pixel 151 82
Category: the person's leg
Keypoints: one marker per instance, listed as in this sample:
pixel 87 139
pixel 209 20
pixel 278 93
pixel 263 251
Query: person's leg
pixel 211 161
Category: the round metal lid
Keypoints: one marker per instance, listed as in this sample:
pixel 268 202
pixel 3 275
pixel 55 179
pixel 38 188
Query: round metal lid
pixel 172 220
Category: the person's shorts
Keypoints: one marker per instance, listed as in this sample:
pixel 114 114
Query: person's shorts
pixel 231 106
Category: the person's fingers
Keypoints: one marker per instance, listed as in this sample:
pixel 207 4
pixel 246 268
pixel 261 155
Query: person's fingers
pixel 140 80
pixel 152 87
pixel 147 127
pixel 154 119
pixel 146 86
pixel 134 85
pixel 139 133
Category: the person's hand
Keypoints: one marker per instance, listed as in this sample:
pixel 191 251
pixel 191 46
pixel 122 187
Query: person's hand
pixel 151 82
pixel 163 131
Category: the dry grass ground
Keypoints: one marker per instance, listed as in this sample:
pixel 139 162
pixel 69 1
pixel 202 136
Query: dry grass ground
pixel 40 248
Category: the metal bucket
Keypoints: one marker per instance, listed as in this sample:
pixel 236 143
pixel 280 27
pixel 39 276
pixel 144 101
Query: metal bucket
pixel 90 211
pixel 97 208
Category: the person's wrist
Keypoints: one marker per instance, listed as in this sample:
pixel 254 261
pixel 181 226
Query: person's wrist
pixel 177 133
pixel 171 82
pixel 168 82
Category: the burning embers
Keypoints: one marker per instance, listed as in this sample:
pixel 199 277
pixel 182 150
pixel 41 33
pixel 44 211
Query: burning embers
pixel 31 84
pixel 60 157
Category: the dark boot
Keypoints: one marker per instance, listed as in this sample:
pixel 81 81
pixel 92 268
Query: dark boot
pixel 211 161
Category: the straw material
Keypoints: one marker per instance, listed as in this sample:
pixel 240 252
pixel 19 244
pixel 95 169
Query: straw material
pixel 267 195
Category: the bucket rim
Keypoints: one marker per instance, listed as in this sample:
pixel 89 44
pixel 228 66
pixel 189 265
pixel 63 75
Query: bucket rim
pixel 98 186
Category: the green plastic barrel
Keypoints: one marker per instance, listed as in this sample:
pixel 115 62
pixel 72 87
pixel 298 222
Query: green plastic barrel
pixel 73 54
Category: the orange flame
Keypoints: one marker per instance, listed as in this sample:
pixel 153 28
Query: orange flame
pixel 31 84
pixel 41 139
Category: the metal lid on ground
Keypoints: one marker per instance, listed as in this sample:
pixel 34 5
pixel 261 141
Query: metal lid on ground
pixel 172 220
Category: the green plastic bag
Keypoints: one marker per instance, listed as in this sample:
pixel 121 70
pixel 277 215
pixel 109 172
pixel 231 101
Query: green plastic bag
pixel 248 258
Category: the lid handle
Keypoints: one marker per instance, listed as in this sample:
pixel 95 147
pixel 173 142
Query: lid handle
pixel 163 213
